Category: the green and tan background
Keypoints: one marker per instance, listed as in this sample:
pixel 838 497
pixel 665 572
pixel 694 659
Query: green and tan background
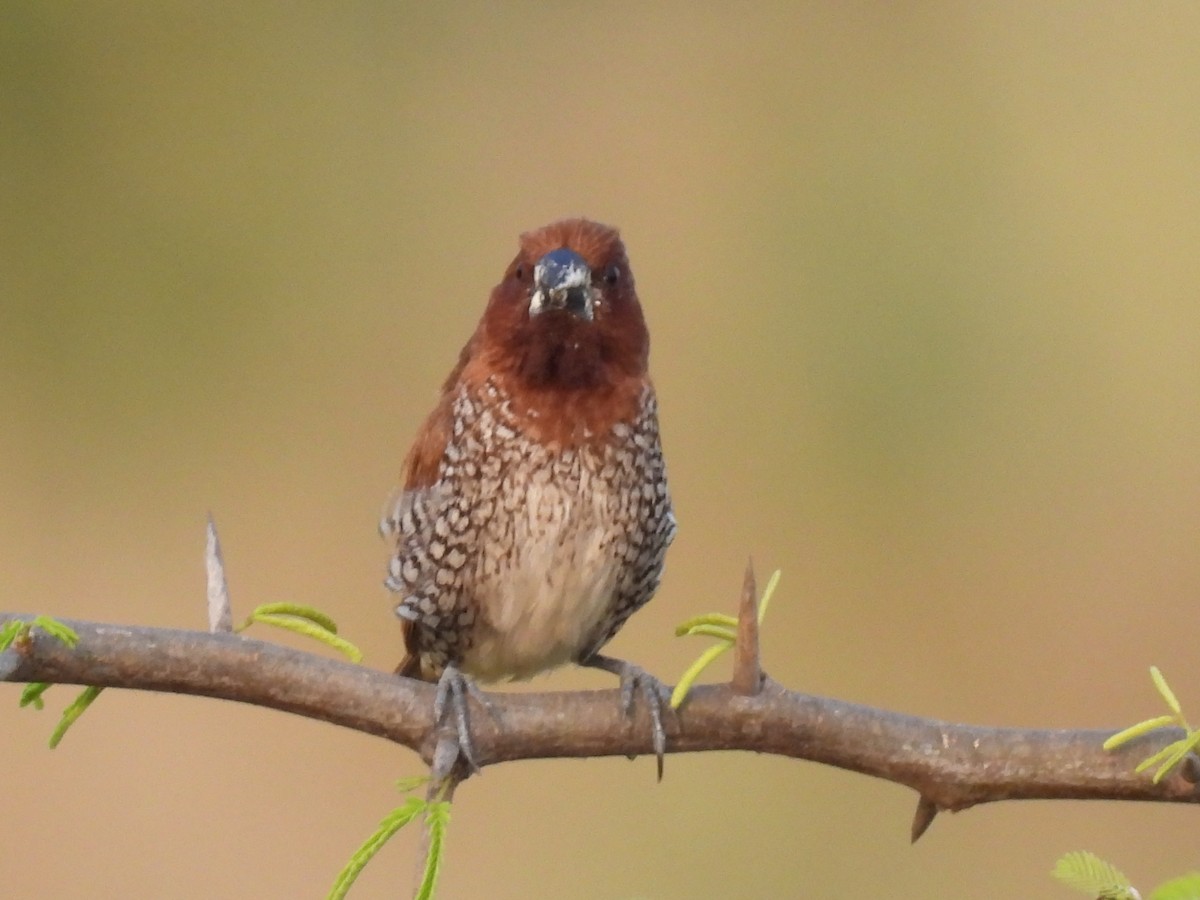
pixel 924 288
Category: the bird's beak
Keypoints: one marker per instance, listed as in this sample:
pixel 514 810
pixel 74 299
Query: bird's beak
pixel 562 280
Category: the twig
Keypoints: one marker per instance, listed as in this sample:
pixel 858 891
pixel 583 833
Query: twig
pixel 952 766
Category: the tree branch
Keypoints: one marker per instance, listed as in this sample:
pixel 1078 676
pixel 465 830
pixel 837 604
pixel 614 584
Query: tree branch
pixel 951 766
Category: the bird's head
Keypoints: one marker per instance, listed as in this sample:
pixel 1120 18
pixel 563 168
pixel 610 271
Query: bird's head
pixel 566 313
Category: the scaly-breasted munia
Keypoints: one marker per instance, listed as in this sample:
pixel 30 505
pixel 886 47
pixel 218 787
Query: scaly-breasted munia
pixel 534 516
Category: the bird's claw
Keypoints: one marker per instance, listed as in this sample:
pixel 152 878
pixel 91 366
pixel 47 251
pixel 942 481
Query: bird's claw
pixel 450 709
pixel 635 679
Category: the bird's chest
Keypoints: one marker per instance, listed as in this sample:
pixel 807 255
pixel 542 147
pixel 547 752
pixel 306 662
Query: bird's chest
pixel 526 554
pixel 552 532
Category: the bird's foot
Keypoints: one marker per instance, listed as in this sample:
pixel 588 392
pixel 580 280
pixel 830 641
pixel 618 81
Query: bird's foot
pixel 635 679
pixel 450 709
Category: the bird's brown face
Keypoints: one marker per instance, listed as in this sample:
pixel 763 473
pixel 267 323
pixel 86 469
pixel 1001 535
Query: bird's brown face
pixel 566 314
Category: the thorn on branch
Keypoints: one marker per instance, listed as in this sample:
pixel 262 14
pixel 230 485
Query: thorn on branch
pixel 220 611
pixel 927 810
pixel 747 673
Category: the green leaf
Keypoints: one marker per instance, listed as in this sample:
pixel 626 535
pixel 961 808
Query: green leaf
pixel 1163 688
pixel 300 611
pixel 1089 874
pixel 14 628
pixel 1185 887
pixel 1136 731
pixel 718 619
pixel 693 672
pixel 438 820
pixel 1171 755
pixel 1179 750
pixel 32 694
pixel 765 600
pixel 723 628
pixel 9 631
pixel 77 708
pixel 720 632
pixel 404 785
pixel 57 629
pixel 311 629
pixel 392 823
pixel 1156 758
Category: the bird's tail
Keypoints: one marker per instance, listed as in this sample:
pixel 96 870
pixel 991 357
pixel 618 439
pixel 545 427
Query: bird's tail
pixel 410 666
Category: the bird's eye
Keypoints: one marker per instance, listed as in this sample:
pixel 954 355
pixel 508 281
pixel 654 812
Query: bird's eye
pixel 611 275
pixel 519 272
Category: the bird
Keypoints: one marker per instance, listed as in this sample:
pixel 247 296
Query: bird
pixel 534 514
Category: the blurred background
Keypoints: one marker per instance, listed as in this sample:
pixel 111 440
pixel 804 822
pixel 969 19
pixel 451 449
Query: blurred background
pixel 922 285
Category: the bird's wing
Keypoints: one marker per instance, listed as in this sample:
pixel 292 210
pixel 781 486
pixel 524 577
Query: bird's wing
pixel 641 578
pixel 420 502
pixel 424 458
pixel 648 541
